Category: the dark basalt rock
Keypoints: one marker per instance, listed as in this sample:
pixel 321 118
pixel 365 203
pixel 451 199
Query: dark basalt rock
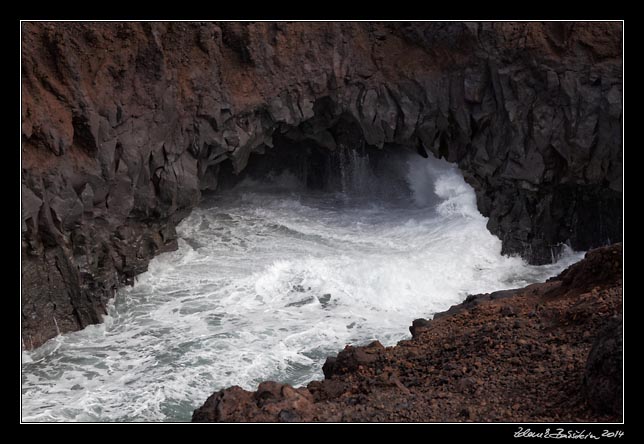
pixel 125 124
pixel 603 380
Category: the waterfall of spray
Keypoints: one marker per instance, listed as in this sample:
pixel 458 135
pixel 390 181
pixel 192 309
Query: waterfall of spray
pixel 361 171
pixel 354 170
pixel 344 166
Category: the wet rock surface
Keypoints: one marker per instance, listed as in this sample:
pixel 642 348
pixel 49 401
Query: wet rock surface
pixel 125 124
pixel 527 357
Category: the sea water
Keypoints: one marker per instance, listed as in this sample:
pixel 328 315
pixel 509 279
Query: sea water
pixel 269 279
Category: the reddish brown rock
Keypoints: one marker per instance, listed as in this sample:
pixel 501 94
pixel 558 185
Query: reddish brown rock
pixel 272 402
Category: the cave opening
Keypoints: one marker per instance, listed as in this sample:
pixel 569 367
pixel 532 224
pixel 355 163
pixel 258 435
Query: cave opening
pixel 328 155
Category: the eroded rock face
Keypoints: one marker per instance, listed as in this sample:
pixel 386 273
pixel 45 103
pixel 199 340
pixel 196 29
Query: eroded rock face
pixel 124 124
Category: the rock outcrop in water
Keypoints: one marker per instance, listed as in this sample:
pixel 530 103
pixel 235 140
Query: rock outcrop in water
pixel 548 352
pixel 125 124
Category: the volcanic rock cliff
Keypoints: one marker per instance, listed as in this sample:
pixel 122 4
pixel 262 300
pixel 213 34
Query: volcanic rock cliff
pixel 124 124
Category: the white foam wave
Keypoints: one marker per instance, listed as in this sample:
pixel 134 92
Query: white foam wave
pixel 265 285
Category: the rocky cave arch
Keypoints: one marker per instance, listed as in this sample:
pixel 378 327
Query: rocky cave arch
pixel 115 153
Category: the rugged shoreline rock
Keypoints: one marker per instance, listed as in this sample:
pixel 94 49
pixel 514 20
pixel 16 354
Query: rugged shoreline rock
pixel 124 124
pixel 548 352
